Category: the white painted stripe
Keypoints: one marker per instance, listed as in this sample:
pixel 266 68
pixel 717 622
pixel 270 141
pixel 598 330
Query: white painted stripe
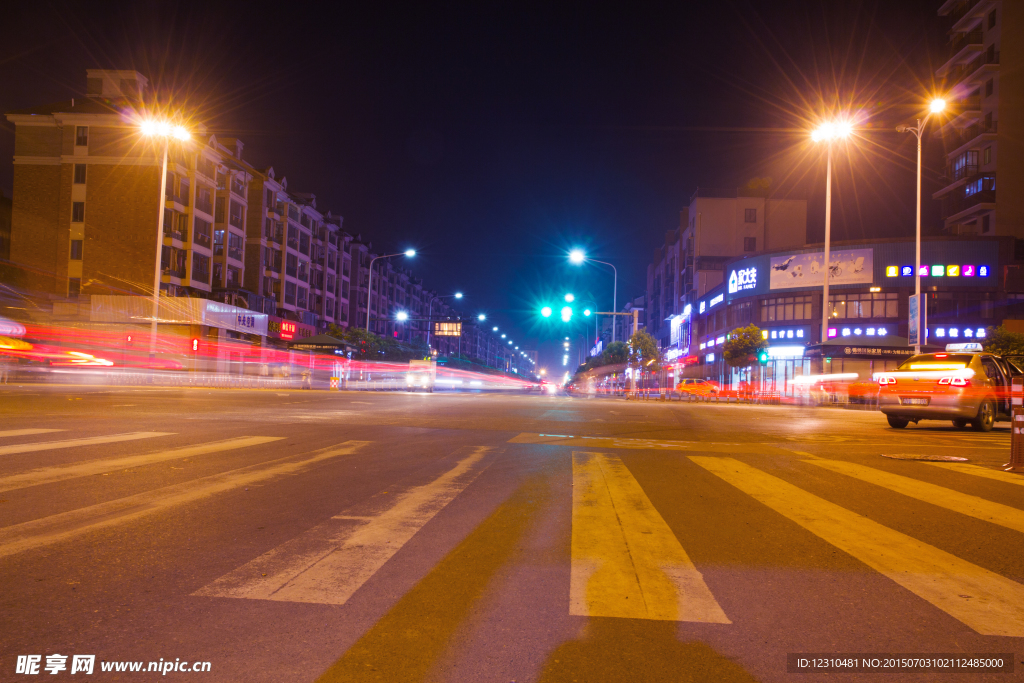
pixel 626 561
pixel 48 475
pixel 331 561
pixel 28 432
pixel 72 443
pixel 67 525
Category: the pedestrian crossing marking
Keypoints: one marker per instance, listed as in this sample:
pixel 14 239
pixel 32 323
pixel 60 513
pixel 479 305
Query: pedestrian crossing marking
pixel 626 443
pixel 975 470
pixel 965 504
pixel 626 562
pixel 48 475
pixel 331 561
pixel 66 525
pixel 987 602
pixel 27 432
pixel 72 443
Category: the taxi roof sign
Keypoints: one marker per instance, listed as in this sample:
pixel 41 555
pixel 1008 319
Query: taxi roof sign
pixel 969 347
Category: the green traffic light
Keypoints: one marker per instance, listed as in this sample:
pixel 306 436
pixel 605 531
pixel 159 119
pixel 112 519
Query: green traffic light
pixel 546 311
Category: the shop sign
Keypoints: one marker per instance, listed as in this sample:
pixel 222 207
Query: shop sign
pixel 740 280
pixel 846 267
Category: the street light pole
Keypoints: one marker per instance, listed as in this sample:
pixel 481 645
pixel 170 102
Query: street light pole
pixel 369 285
pixel 577 256
pixel 159 255
pixel 828 237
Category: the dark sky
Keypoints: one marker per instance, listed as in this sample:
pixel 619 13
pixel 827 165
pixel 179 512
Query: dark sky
pixel 494 136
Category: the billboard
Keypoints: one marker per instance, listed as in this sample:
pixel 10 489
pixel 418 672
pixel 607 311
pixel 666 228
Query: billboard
pixel 447 329
pixel 846 267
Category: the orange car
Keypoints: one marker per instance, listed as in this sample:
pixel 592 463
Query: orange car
pixel 697 387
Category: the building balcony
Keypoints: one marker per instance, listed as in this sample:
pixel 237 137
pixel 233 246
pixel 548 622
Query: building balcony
pixel 960 49
pixel 969 72
pixel 959 206
pixel 235 253
pixel 205 206
pixel 971 135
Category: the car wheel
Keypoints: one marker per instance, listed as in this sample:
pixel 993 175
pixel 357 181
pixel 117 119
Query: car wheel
pixel 986 417
pixel 960 424
pixel 897 422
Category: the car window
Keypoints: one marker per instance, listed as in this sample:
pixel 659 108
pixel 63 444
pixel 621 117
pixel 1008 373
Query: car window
pixel 1010 367
pixel 992 370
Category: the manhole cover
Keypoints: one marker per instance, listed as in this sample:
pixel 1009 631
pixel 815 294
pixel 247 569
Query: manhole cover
pixel 927 458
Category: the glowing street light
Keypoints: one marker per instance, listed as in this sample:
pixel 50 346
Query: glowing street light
pixel 494 329
pixel 502 336
pixel 369 296
pixel 569 298
pixel 936 106
pixel 401 316
pixel 586 311
pixel 578 257
pixel 566 314
pixel 164 131
pixel 410 252
pixel 546 311
pixel 481 317
pixel 458 295
pixel 828 132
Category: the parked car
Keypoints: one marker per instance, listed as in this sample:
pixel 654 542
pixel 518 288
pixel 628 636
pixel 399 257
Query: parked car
pixel 697 387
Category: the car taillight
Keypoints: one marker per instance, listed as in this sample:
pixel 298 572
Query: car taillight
pixel 955 381
pixel 886 380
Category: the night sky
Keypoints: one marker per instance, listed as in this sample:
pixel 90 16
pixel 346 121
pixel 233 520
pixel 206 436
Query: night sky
pixel 493 136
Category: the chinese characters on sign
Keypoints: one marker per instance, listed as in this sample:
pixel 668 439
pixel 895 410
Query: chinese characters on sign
pixel 446 329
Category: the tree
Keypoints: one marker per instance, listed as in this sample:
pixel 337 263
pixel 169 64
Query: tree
pixel 743 345
pixel 643 351
pixel 1003 342
pixel 616 353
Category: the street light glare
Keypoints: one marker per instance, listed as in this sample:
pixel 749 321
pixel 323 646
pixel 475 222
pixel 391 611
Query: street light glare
pixel 495 329
pixel 937 105
pixel 569 298
pixel 481 317
pixel 164 129
pixel 546 311
pixel 577 256
pixel 831 130
pixel 502 336
pixel 410 252
pixel 566 314
pixel 402 316
pixel 458 295
pixel 586 311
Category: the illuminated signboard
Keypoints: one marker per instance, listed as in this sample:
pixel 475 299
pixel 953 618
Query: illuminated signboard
pixel 957 332
pixel 740 280
pixel 446 329
pixel 701 306
pixel 717 300
pixel 954 270
pixel 288 329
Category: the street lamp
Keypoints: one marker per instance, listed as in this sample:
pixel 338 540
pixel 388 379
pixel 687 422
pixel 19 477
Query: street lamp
pixel 828 132
pixel 936 106
pixel 369 295
pixel 569 298
pixel 494 329
pixel 578 257
pixel 430 310
pixel 481 317
pixel 401 316
pixel 164 131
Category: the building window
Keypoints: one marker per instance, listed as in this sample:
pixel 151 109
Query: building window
pixel 986 223
pixel 74 287
pixel 301 300
pixel 786 308
pixel 749 244
pixel 234 277
pixel 987 156
pixel 992 19
pixel 77 212
pixel 873 305
pixel 988 87
pixel 218 274
pixel 82 136
pixel 292 265
pixel 76 250
pixel 749 215
pixel 79 174
pixel 200 268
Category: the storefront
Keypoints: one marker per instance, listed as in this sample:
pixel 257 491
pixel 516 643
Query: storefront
pixel 964 284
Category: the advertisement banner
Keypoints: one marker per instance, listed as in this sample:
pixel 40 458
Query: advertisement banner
pixel 846 267
pixel 913 330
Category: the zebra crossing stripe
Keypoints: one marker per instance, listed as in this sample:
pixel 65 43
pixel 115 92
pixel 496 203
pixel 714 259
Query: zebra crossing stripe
pixel 27 432
pixel 626 562
pixel 975 470
pixel 331 561
pixel 987 602
pixel 965 504
pixel 74 443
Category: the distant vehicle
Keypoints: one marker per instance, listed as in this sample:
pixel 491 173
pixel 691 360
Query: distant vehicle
pixel 421 375
pixel 697 387
pixel 963 384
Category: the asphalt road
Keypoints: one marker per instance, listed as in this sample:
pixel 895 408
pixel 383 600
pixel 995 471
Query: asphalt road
pixel 306 536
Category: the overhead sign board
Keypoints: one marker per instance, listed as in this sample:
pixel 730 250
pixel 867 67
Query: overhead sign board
pixel 846 267
pixel 447 329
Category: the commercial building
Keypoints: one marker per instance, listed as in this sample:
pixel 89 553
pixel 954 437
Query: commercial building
pixel 983 133
pixel 970 284
pixel 718 225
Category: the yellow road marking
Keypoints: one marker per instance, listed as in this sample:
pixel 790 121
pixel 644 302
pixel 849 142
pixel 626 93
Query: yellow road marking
pixel 48 475
pixel 989 603
pixel 997 475
pixel 965 504
pixel 331 561
pixel 71 443
pixel 642 444
pixel 60 527
pixel 626 562
pixel 28 432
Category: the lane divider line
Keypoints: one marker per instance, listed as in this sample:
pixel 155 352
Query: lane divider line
pixel 330 562
pixel 964 503
pixel 626 562
pixel 72 443
pixel 28 432
pixel 989 603
pixel 49 475
pixel 66 525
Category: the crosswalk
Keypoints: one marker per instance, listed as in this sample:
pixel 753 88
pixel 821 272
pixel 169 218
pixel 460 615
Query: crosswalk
pixel 625 560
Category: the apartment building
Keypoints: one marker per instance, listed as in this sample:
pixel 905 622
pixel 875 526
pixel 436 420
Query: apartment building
pixel 718 225
pixel 983 127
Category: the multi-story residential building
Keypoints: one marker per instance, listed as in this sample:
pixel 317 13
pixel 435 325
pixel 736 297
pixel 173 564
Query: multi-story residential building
pixel 716 226
pixel 5 227
pixel 983 127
